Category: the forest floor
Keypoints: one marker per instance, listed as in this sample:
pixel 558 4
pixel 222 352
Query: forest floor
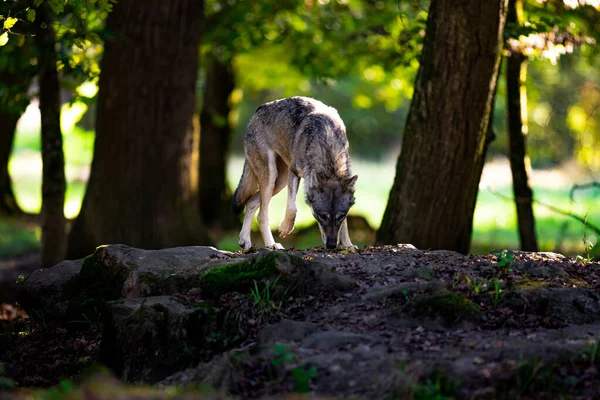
pixel 397 322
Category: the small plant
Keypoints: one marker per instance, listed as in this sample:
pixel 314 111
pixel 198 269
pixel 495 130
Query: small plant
pixel 497 294
pixel 476 284
pixel 302 378
pixel 283 355
pixel 96 325
pixel 300 375
pixel 264 299
pixel 440 389
pixel 505 259
pixel 594 350
pixel 587 244
pixel 20 279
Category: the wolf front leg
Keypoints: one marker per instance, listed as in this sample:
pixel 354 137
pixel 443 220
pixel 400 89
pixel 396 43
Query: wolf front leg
pixel 289 220
pixel 344 237
pixel 267 188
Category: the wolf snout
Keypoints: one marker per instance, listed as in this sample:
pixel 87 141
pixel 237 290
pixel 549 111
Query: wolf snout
pixel 331 244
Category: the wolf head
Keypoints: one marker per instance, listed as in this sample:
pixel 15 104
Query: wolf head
pixel 330 201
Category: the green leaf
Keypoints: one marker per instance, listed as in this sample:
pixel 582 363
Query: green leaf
pixel 10 22
pixel 31 15
pixel 3 38
pixel 38 2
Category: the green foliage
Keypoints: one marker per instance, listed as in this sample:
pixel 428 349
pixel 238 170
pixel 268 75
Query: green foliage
pixel 449 307
pixel 435 390
pixel 264 300
pixel 587 244
pixel 238 277
pixel 497 294
pixel 302 378
pixel 300 375
pixel 505 260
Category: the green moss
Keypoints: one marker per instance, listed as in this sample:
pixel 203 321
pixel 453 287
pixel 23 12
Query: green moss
pixel 450 307
pixel 101 279
pixel 527 284
pixel 238 277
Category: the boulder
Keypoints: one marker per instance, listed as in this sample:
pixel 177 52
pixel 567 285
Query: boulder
pixel 118 271
pixel 47 292
pixel 294 275
pixel 147 339
pixel 569 305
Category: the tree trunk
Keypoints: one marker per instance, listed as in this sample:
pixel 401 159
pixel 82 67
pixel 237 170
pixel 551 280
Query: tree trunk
pixel 433 197
pixel 143 186
pixel 516 101
pixel 53 160
pixel 215 133
pixel 8 204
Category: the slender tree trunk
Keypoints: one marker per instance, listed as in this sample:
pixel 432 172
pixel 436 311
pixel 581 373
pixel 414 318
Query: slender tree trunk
pixel 516 73
pixel 8 204
pixel 53 160
pixel 215 133
pixel 433 197
pixel 143 185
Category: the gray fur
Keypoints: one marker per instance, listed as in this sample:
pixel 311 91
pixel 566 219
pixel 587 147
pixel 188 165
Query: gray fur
pixel 286 140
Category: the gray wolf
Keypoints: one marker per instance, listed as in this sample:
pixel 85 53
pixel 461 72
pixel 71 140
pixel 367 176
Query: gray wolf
pixel 290 139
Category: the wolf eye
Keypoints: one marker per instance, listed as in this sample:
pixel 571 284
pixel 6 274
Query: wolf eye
pixel 340 217
pixel 323 216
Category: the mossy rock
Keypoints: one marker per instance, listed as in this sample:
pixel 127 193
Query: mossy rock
pixel 239 277
pixel 449 307
pixel 118 271
pixel 294 274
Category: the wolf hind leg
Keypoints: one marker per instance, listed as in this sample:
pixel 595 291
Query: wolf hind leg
pixel 289 220
pixel 251 207
pixel 344 241
pixel 267 190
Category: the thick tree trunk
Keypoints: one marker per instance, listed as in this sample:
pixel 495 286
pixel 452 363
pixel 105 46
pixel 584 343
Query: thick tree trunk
pixel 215 133
pixel 8 204
pixel 142 189
pixel 53 160
pixel 433 197
pixel 516 101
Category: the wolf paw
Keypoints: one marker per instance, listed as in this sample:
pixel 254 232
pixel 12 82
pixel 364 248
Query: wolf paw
pixel 245 244
pixel 274 246
pixel 285 228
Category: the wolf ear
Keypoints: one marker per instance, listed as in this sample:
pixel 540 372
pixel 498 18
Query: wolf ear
pixel 348 184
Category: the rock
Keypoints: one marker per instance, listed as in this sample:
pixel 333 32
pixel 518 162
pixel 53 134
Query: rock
pixel 47 292
pixel 354 370
pixel 285 331
pixel 118 271
pixel 570 305
pixel 402 291
pixel 424 273
pixel 331 341
pixel 145 340
pixel 296 275
pixel 449 308
pixel 361 371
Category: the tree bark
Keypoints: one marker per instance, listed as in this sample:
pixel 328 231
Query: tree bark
pixel 433 197
pixel 8 203
pixel 516 101
pixel 143 185
pixel 215 195
pixel 53 160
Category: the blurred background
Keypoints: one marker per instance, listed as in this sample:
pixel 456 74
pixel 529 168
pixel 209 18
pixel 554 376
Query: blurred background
pixel 256 53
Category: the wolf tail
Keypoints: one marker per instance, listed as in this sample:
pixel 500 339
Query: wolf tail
pixel 246 188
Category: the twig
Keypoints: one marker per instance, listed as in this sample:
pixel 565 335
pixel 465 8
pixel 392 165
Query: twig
pixel 582 187
pixel 551 208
